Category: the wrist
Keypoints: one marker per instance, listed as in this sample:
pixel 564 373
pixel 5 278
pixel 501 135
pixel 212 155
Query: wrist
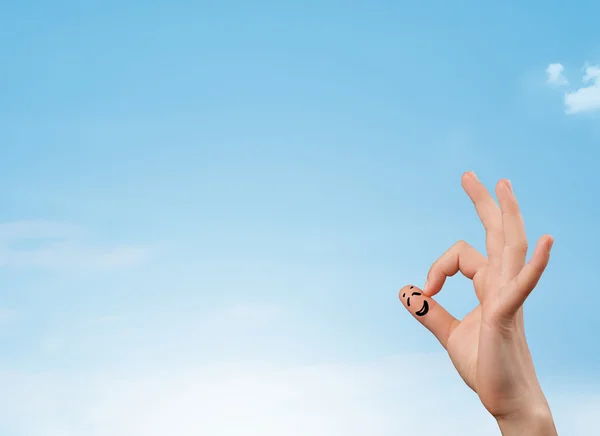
pixel 531 421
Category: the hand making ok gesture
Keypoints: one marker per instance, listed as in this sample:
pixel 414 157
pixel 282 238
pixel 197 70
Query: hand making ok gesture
pixel 488 347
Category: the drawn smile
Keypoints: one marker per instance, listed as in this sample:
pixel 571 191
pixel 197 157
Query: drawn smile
pixel 423 311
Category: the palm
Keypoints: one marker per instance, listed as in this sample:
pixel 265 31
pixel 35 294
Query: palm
pixel 463 346
pixel 488 346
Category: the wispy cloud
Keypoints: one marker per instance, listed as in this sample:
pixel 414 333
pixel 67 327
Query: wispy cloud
pixel 154 390
pixel 53 245
pixel 406 394
pixel 245 314
pixel 556 76
pixel 8 315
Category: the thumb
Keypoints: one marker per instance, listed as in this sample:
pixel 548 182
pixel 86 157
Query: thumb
pixel 429 313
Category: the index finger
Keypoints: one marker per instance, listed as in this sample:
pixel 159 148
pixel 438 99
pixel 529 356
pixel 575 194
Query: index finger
pixel 460 257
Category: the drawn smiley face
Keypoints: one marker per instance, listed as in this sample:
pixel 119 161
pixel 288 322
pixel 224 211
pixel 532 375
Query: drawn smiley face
pixel 425 305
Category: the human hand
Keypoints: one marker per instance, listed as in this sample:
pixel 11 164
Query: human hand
pixel 488 346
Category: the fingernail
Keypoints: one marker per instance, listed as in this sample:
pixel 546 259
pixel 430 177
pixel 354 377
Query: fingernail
pixel 509 186
pixel 473 175
pixel 425 286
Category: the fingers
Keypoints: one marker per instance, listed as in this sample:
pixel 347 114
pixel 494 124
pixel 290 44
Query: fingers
pixel 515 239
pixel 460 257
pixel 521 286
pixel 489 214
pixel 429 313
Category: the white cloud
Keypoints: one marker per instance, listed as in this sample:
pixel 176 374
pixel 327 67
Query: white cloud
pixel 555 75
pixel 586 98
pixel 53 245
pixel 159 389
pixel 402 395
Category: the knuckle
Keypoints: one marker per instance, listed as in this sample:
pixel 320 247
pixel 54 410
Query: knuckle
pixel 520 247
pixel 461 244
pixel 433 271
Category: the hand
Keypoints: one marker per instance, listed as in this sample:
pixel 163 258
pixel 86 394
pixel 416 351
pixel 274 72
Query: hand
pixel 488 347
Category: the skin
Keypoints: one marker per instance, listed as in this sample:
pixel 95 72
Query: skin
pixel 488 346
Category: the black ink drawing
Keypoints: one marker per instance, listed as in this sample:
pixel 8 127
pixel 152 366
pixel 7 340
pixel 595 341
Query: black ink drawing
pixel 424 309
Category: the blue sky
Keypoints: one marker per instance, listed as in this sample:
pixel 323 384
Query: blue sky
pixel 240 189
